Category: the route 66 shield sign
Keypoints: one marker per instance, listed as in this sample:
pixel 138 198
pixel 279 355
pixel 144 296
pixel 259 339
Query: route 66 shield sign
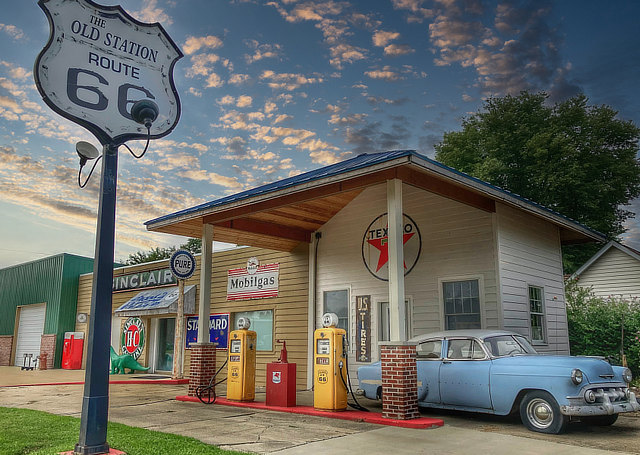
pixel 98 62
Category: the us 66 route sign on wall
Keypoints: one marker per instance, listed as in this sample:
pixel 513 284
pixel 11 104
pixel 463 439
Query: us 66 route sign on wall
pixel 99 61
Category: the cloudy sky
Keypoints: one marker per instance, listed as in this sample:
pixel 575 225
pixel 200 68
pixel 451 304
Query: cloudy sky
pixel 270 89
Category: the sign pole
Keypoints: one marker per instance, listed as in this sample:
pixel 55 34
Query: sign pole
pixel 178 349
pixel 95 402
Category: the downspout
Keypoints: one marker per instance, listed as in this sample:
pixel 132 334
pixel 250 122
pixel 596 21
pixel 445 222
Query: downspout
pixel 318 236
pixel 312 310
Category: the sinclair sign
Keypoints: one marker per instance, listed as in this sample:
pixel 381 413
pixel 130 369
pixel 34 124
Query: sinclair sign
pixel 99 61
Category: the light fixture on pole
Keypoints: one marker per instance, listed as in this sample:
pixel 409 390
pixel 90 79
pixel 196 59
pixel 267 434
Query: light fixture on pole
pixel 86 151
pixel 144 112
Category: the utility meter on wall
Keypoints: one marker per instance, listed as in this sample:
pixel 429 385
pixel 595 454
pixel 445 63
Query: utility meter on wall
pixel 330 366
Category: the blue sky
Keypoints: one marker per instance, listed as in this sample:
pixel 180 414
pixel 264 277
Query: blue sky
pixel 270 89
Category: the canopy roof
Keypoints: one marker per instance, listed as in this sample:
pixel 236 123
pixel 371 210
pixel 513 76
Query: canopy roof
pixel 159 301
pixel 282 214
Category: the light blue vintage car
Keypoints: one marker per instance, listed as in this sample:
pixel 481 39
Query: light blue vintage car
pixel 499 372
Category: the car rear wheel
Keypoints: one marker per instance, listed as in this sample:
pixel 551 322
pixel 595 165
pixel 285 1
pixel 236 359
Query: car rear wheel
pixel 600 421
pixel 540 412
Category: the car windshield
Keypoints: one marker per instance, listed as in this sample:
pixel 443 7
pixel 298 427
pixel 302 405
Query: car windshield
pixel 506 345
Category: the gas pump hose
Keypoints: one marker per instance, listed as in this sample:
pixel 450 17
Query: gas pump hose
pixel 357 405
pixel 210 390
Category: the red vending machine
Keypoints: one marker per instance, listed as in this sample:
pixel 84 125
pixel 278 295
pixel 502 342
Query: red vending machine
pixel 72 350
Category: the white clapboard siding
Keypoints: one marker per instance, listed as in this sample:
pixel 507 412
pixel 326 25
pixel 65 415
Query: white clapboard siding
pixel 615 273
pixel 457 241
pixel 529 255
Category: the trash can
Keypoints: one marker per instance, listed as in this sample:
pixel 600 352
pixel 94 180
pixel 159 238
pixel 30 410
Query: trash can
pixel 72 350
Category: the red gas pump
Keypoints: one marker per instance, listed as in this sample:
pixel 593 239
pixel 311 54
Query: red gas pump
pixel 281 380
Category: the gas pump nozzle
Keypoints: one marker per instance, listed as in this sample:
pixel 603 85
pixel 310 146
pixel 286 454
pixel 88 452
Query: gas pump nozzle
pixel 283 351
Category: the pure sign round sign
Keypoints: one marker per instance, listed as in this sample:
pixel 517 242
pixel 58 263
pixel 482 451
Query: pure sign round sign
pixel 182 264
pixel 99 61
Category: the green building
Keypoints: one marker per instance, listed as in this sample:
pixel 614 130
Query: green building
pixel 38 305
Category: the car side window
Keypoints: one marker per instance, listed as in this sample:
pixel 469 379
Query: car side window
pixel 430 349
pixel 464 350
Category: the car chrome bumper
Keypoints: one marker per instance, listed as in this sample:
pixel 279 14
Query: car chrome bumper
pixel 606 407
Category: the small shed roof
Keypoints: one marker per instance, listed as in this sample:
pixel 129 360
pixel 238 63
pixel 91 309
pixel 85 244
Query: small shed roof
pixel 612 244
pixel 282 214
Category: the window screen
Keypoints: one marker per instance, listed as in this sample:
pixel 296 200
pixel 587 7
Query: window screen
pixel 461 305
pixel 536 311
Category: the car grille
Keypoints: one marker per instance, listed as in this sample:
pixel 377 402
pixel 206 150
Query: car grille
pixel 614 394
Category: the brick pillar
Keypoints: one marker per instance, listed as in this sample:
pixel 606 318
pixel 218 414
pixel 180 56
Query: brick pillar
pixel 399 381
pixel 6 341
pixel 203 365
pixel 48 347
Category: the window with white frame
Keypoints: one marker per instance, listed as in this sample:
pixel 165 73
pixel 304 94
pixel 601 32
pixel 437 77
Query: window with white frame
pixel 383 320
pixel 536 312
pixel 338 302
pixel 461 305
pixel 262 324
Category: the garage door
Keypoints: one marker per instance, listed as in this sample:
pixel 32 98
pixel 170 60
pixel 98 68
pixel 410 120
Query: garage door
pixel 30 330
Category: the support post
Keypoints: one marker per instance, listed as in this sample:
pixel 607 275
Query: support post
pixel 397 308
pixel 178 347
pixel 203 353
pixel 204 309
pixel 397 356
pixel 95 402
pixel 399 380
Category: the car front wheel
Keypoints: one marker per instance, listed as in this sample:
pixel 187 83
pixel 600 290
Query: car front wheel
pixel 600 421
pixel 540 412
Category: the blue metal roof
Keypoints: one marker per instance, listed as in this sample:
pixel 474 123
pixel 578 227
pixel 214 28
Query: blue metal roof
pixel 361 161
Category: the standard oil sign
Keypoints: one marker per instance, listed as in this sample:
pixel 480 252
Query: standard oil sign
pixel 99 61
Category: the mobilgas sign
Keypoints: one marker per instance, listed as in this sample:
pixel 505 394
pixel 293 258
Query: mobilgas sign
pixel 218 330
pixel 141 280
pixel 254 282
pixel 99 61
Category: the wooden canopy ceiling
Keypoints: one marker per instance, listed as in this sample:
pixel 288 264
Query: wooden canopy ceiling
pixel 287 218
pixel 285 221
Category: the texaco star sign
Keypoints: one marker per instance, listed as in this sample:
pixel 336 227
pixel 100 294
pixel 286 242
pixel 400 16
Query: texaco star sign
pixel 375 246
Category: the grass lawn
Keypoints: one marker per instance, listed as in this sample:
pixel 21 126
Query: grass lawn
pixel 24 431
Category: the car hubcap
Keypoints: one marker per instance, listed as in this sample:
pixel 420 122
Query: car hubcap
pixel 539 413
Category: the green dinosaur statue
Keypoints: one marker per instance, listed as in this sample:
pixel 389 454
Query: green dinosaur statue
pixel 120 362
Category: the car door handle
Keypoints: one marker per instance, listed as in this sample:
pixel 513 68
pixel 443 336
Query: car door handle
pixel 446 361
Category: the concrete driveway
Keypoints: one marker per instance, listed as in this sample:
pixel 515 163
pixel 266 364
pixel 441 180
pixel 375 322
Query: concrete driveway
pixel 153 406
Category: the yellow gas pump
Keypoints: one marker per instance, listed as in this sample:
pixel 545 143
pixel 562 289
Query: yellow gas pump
pixel 241 369
pixel 330 366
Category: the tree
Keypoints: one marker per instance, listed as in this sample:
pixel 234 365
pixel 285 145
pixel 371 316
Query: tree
pixel 576 159
pixel 155 254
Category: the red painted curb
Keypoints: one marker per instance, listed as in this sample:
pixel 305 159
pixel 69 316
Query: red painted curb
pixel 117 381
pixel 359 416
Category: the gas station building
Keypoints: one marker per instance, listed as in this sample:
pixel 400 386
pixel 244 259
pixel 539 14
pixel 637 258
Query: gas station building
pixel 394 243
